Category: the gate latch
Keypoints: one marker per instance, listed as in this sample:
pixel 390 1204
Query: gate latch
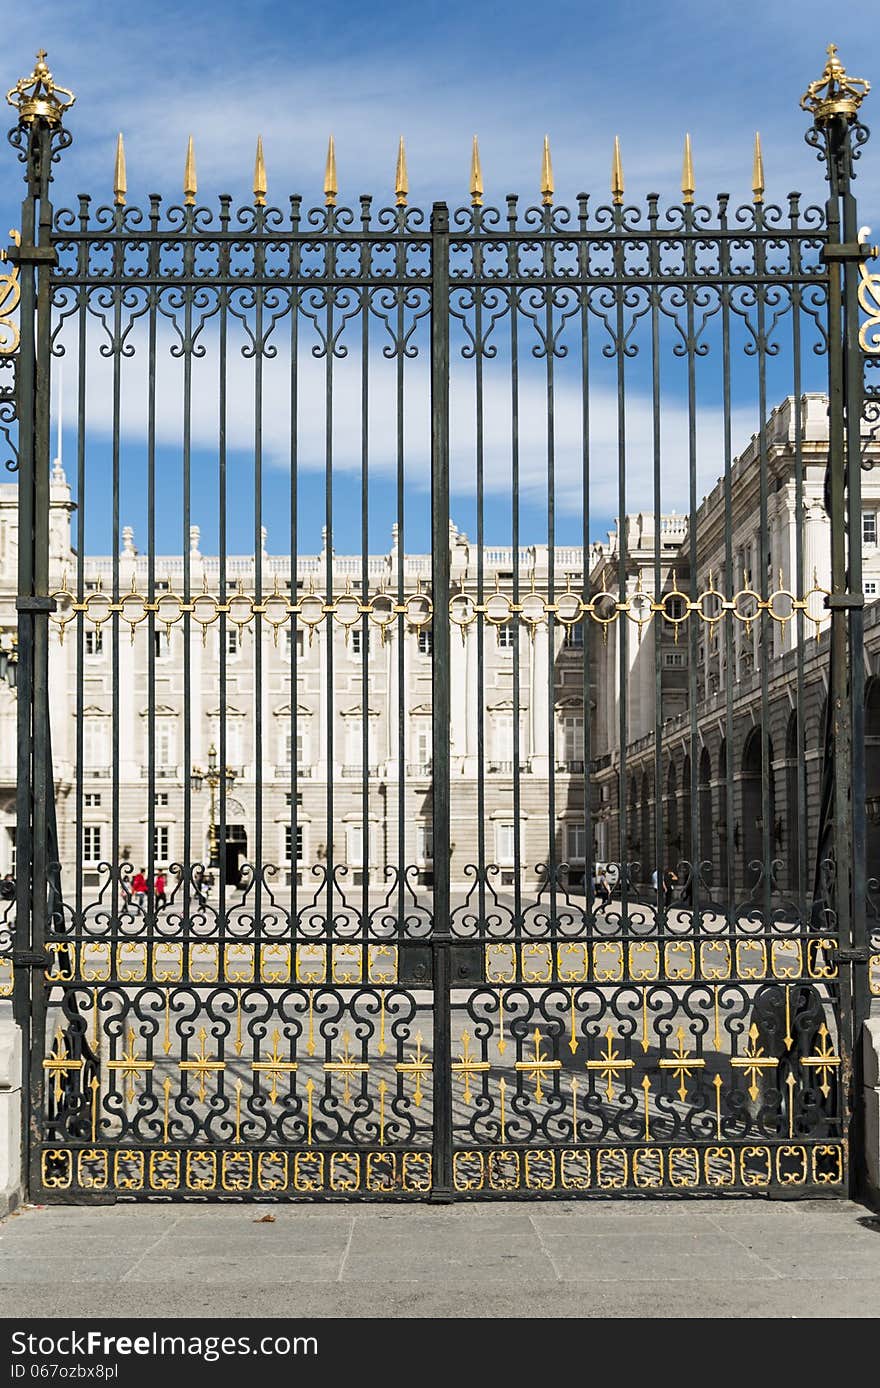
pixel 416 963
pixel 848 250
pixel 858 954
pixel 25 959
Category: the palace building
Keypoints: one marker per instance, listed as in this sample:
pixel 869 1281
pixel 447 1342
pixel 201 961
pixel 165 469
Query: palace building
pixel 703 681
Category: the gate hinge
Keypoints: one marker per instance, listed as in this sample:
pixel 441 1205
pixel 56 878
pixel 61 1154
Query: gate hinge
pixel 836 602
pixel 26 959
pixel 857 954
pixel 35 604
pixel 847 250
pixel 32 255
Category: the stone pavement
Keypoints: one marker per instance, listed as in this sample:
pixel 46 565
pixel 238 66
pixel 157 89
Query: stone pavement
pixel 650 1258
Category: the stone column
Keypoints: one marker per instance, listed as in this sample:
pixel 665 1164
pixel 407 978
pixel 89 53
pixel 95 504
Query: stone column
pixel 11 1174
pixel 540 701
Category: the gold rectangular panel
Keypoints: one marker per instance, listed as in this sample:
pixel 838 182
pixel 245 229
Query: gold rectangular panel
pixel 164 1170
pixel 504 1172
pixel 820 961
pixel 201 1170
pixel 751 959
pixel 679 960
pixel 829 1164
pixel 128 1170
pixel 537 963
pixel 608 961
pixel 5 976
pixel 95 961
pixel 684 1166
pixel 644 961
pixel 417 1170
pixel 92 1169
pixel 612 1168
pixel 792 1166
pixel 500 963
pixel 62 961
pixel 167 961
pixel 382 963
pixel 720 1166
pixel 786 959
pixel 272 1171
pixel 715 959
pixel 275 961
pixel 238 963
pixel 540 1170
pixel 308 1171
pixel 574 1169
pixel 572 962
pixel 381 1172
pixel 468 1170
pixel 237 1170
pixel 131 961
pixel 345 1171
pixel 56 1165
pixel 311 963
pixel 204 962
pixel 647 1167
pixel 347 965
pixel 755 1166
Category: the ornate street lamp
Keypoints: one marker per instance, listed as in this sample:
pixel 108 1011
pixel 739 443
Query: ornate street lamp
pixel 212 778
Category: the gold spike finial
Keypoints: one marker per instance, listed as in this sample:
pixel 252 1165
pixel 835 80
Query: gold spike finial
pixel 190 186
pixel 401 179
pixel 120 185
pixel 476 176
pixel 758 171
pixel 616 174
pixel 331 186
pixel 260 175
pixel 546 174
pixel 687 172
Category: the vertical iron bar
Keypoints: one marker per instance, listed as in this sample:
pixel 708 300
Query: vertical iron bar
pixel 441 703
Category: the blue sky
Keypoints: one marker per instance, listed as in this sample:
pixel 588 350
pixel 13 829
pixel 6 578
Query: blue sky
pixel 580 73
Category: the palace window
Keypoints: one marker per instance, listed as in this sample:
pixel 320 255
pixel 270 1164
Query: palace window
pixel 288 840
pixel 869 527
pixel 94 743
pixel 504 842
pixel 573 738
pixel 574 637
pixel 233 641
pixel 425 843
pixel 506 636
pixel 577 843
pixel 161 843
pixel 92 800
pixel 94 642
pixel 91 843
pixel 357 637
pixel 426 641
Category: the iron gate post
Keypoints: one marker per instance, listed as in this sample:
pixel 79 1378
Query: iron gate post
pixel 441 703
pixel 38 136
pixel 834 102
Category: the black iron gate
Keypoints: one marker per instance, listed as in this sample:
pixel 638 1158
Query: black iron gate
pixel 464 861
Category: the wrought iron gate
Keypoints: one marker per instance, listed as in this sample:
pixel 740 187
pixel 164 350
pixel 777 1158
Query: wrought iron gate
pixel 366 879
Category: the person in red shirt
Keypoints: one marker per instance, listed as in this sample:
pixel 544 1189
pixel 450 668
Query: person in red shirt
pixel 139 888
pixel 159 888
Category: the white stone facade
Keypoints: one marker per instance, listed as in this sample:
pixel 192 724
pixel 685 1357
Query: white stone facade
pixel 188 714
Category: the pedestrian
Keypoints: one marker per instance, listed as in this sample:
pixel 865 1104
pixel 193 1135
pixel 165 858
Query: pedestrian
pixel 603 890
pixel 159 888
pixel 655 880
pixel 198 881
pixel 669 879
pixel 7 887
pixel 139 888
